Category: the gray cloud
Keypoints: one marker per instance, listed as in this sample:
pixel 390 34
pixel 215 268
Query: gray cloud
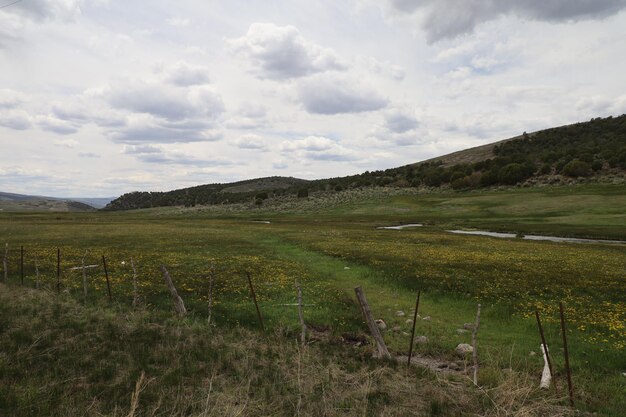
pixel 15 119
pixel 449 18
pixel 400 122
pixel 326 95
pixel 183 74
pixel 52 124
pixel 159 155
pixel 155 132
pixel 166 102
pixel 280 52
pixel 46 9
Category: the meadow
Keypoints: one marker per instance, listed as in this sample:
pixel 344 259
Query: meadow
pixel 334 248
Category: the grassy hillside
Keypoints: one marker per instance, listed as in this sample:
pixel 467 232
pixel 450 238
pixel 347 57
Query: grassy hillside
pixel 329 254
pixel 58 357
pixel 593 151
pixel 19 202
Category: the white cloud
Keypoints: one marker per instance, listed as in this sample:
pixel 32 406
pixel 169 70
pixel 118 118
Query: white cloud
pixel 280 52
pixel 184 74
pixel 251 141
pixel 317 148
pixel 180 22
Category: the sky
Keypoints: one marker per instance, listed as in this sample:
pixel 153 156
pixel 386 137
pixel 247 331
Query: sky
pixel 103 97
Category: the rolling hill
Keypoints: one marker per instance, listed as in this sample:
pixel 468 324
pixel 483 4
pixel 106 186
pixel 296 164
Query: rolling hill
pixel 587 151
pixel 21 202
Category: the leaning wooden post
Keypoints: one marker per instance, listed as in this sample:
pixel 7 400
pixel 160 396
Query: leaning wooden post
pixel 84 278
pixel 106 275
pixel 210 301
pixel 474 345
pixel 135 293
pixel 4 262
pixel 178 302
pixel 545 348
pixel 22 265
pixel 58 270
pixel 567 367
pixel 365 308
pixel 301 314
pixel 417 304
pixel 256 304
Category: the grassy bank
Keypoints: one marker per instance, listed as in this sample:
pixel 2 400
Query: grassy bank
pixel 341 248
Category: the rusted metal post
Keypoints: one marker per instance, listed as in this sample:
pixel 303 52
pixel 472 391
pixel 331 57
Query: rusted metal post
pixel 367 313
pixel 417 304
pixel 258 312
pixel 106 275
pixel 567 367
pixel 22 265
pixel 58 270
pixel 545 348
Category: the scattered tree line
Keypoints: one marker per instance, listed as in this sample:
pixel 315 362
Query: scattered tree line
pixel 579 150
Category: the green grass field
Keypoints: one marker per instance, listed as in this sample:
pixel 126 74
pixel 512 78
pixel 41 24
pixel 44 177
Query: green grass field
pixel 335 248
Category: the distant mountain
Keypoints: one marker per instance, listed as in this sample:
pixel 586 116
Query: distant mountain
pixel 585 151
pixel 97 202
pixel 21 202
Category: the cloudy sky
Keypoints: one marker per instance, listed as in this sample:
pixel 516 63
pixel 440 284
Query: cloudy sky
pixel 102 97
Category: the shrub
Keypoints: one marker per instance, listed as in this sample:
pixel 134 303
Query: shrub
pixel 511 174
pixel 303 193
pixel 577 168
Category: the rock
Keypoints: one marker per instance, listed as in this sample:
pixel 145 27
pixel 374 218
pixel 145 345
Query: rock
pixel 454 366
pixel 399 313
pixel 409 321
pixel 463 349
pixel 421 340
pixel 427 318
pixel 396 328
pixel 532 353
pixel 405 334
pixel 381 324
pixel 418 317
pixel 468 326
pixel 346 267
pixel 462 331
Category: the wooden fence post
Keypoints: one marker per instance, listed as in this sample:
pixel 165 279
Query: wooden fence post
pixel 4 262
pixel 58 270
pixel 365 309
pixel 84 278
pixel 22 265
pixel 567 367
pixel 178 302
pixel 256 304
pixel 475 345
pixel 210 300
pixel 36 273
pixel 135 293
pixel 106 275
pixel 301 314
pixel 417 304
